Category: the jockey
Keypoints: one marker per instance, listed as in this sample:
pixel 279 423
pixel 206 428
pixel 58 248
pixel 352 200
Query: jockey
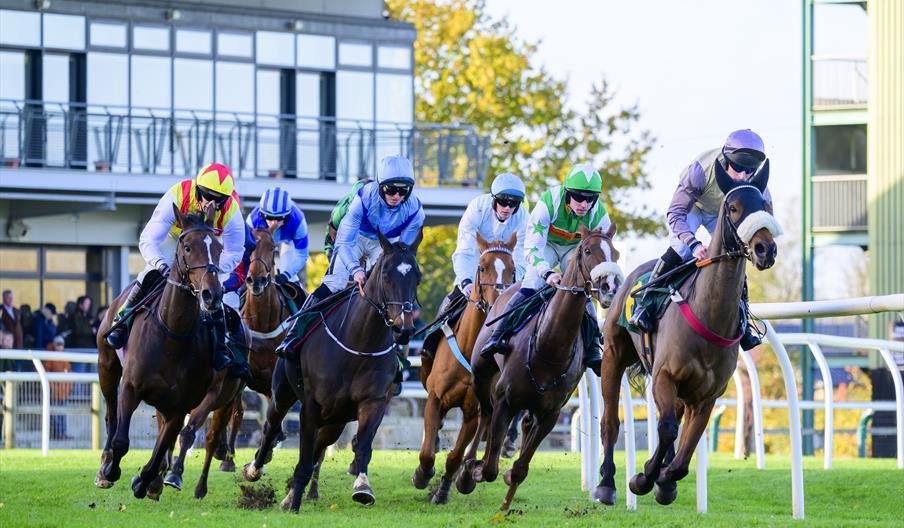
pixel 387 204
pixel 336 216
pixel 553 232
pixel 213 184
pixel 495 216
pixel 276 209
pixel 696 202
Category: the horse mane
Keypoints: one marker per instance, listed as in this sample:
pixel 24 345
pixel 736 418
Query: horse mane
pixel 194 219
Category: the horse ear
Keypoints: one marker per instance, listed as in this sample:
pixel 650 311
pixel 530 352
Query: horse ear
pixel 178 214
pixel 384 243
pixel 761 178
pixel 417 241
pixel 512 241
pixel 210 214
pixel 481 243
pixel 584 231
pixel 273 229
pixel 723 180
pixel 611 232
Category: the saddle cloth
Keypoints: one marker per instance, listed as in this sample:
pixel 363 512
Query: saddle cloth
pixel 656 300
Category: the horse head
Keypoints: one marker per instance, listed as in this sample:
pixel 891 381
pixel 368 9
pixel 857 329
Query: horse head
pixel 261 267
pixel 197 259
pixel 597 259
pixel 394 283
pixel 495 269
pixel 749 216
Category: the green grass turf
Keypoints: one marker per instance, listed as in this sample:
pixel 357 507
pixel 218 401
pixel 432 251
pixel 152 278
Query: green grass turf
pixel 59 491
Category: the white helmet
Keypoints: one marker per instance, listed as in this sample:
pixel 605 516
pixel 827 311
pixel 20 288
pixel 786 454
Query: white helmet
pixel 508 184
pixel 395 168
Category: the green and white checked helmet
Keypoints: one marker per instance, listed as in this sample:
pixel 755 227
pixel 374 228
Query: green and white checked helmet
pixel 583 177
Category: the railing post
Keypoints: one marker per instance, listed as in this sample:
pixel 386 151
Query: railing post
pixel 95 415
pixel 9 414
pixel 45 407
pixel 585 434
pixel 740 418
pixel 702 465
pixel 828 394
pixel 899 401
pixel 758 441
pixel 630 449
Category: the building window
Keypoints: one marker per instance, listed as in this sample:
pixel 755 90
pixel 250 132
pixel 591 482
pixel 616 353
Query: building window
pixel 12 75
pixel 108 34
pixel 394 57
pixel 355 54
pixel 235 45
pixel 19 259
pixel 193 86
pixel 193 41
pixel 235 88
pixel 316 51
pixel 64 31
pixel 355 95
pixel 395 100
pixel 20 28
pixel 275 48
pixel 108 79
pixel 150 83
pixel 151 38
pixel 840 149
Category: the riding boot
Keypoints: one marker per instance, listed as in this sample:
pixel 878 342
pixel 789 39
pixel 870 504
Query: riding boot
pixel 751 337
pixel 431 341
pixel 593 356
pixel 498 342
pixel 216 322
pixel 292 335
pixel 640 318
pixel 119 336
pixel 235 345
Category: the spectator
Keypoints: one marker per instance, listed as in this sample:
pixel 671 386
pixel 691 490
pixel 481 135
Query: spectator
pixel 11 321
pixel 6 343
pixel 59 390
pixel 64 320
pixel 26 317
pixel 44 327
pixel 82 335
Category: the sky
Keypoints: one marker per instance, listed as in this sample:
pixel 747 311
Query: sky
pixel 698 71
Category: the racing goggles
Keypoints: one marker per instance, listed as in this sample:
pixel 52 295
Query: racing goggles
pixel 203 193
pixel 273 218
pixel 582 196
pixel 508 201
pixel 740 168
pixel 395 189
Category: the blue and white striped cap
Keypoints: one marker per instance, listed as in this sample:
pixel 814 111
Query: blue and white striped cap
pixel 275 202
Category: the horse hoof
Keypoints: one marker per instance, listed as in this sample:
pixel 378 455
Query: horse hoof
pixel 421 479
pixel 477 471
pixel 364 495
pixel 639 484
pixel 352 469
pixel 440 497
pixel 509 449
pixel 604 495
pixel 220 453
pixel 464 483
pixel 174 481
pixel 665 493
pixel 507 477
pixel 139 489
pixel 155 488
pixel 313 495
pixel 200 492
pixel 286 503
pixel 251 473
pixel 110 472
pixel 227 466
pixel 101 482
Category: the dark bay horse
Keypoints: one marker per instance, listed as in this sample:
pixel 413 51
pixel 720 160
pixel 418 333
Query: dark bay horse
pixel 344 370
pixel 689 371
pixel 447 382
pixel 168 363
pixel 545 363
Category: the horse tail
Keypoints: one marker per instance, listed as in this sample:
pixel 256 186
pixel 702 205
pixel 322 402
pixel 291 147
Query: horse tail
pixel 637 378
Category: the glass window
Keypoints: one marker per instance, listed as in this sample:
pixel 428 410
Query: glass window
pixel 235 87
pixel 828 39
pixel 840 149
pixel 316 51
pixel 108 34
pixel 136 263
pixel 307 94
pixel 65 261
pixel 355 95
pixel 268 133
pixel 193 41
pixel 108 79
pixel 64 31
pixel 150 82
pixel 20 28
pixel 18 259
pixel 394 57
pixel 61 291
pixel 234 44
pixel 193 85
pixel 151 38
pixel 275 48
pixel 355 54
pixel 55 78
pixel 307 107
pixel 25 291
pixel 395 99
pixel 12 75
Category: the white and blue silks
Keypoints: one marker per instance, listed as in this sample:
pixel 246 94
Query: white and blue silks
pixel 480 217
pixel 291 237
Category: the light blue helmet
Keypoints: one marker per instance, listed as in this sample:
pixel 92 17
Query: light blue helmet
pixel 276 202
pixel 395 169
pixel 508 184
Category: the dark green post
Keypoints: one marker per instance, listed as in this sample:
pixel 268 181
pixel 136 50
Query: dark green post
pixel 807 326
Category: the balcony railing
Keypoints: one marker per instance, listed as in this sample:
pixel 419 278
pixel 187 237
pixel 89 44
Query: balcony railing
pixel 839 203
pixel 149 141
pixel 839 81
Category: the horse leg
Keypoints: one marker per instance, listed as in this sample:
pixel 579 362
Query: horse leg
pixel 488 469
pixel 214 435
pixel 126 404
pixel 370 414
pixel 310 413
pixel 235 424
pixel 694 426
pixel 281 402
pixel 611 383
pixel 456 455
pixel 151 471
pixel 187 436
pixel 665 392
pixel 667 491
pixel 109 374
pixel 433 415
pixel 540 426
pixel 326 436
pixel 465 482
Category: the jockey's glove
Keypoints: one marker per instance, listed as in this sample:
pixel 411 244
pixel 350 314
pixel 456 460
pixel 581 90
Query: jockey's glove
pixel 465 287
pixel 164 269
pixel 282 278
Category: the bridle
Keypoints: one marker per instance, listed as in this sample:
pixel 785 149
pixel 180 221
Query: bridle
pixel 382 308
pixel 183 269
pixel 587 289
pixel 736 247
pixel 482 304
pixel 267 268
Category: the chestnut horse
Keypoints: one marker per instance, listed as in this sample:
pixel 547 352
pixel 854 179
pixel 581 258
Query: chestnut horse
pixel 448 383
pixel 689 371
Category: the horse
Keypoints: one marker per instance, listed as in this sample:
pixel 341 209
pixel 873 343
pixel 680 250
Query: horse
pixel 338 376
pixel 168 363
pixel 447 382
pixel 545 363
pixel 689 371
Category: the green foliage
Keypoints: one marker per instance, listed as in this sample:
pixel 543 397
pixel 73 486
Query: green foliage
pixel 434 256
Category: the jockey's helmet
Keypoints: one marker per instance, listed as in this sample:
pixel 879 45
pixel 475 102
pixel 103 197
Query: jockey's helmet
pixel 583 177
pixel 214 182
pixel 395 176
pixel 744 150
pixel 275 204
pixel 508 184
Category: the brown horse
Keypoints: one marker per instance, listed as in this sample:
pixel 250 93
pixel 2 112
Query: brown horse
pixel 689 371
pixel 169 362
pixel 447 382
pixel 545 363
pixel 344 370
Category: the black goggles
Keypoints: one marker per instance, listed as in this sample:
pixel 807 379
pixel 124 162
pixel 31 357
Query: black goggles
pixel 211 196
pixel 273 218
pixel 740 168
pixel 508 201
pixel 583 197
pixel 389 189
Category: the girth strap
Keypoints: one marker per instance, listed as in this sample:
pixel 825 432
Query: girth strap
pixel 698 326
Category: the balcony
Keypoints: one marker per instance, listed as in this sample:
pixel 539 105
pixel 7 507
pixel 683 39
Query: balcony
pixel 148 141
pixel 839 83
pixel 839 203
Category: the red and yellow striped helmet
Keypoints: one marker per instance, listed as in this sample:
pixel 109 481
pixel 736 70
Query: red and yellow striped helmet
pixel 217 178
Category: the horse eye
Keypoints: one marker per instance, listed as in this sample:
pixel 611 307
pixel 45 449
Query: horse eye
pixel 586 251
pixel 481 269
pixel 187 249
pixel 733 209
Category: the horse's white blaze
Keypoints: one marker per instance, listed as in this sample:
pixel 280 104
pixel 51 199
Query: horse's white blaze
pixel 207 242
pixel 500 267
pixel 610 278
pixel 606 250
pixel 610 270
pixel 756 221
pixel 361 481
pixel 404 268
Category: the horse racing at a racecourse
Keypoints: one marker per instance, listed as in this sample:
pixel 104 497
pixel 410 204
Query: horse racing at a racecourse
pixel 451 263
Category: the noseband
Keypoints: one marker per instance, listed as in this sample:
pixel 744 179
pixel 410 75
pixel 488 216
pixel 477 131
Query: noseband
pixel 735 246
pixel 587 289
pixel 382 308
pixel 482 304
pixel 182 267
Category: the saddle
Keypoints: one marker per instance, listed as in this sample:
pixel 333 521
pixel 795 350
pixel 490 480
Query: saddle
pixel 291 293
pixel 308 320
pixel 451 316
pixel 518 318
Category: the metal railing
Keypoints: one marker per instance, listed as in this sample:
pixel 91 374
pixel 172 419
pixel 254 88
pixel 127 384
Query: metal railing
pixel 839 81
pixel 159 141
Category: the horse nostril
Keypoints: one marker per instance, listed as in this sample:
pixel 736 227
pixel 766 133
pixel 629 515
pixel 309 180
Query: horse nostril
pixel 206 296
pixel 249 280
pixel 760 249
